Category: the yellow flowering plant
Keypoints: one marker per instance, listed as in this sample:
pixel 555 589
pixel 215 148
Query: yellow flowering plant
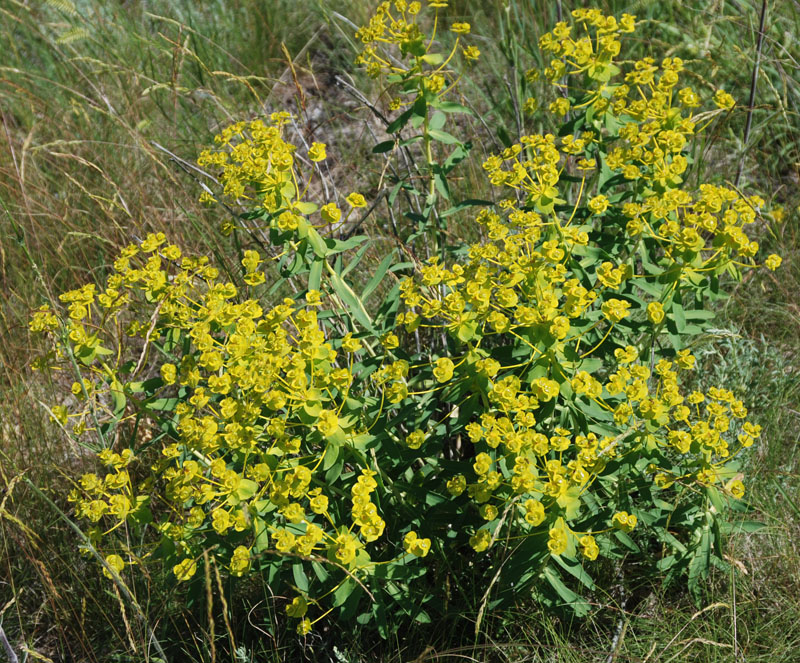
pixel 519 404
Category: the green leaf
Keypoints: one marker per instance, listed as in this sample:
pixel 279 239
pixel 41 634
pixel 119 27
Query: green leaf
pixel 575 568
pixel 354 262
pixel 262 535
pixel 443 137
pixel 626 541
pixel 320 571
pixel 716 499
pixel 746 526
pixel 411 140
pixel 141 514
pixel 451 107
pixel 338 246
pixel 315 275
pixel 162 404
pixel 399 122
pixel 465 204
pixel 305 207
pixel 385 146
pixel 700 563
pixel 433 59
pixel 580 606
pixel 678 316
pixel 317 243
pixel 354 304
pixel 467 330
pixel 333 472
pixel 344 591
pixel 331 456
pixel 299 575
pixel 441 185
pixel 246 489
pixel 380 272
pixel 437 121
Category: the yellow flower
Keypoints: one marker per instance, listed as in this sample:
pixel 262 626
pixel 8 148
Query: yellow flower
pixel 240 561
pixel 390 341
pixel 414 440
pixel 460 28
pixel 686 360
pixel 345 547
pixel 483 462
pixel 560 107
pixel 443 369
pixel 327 422
pixel 284 540
pixel 206 198
pixel 615 309
pixel 185 569
pixel 589 547
pixel 772 262
pixel 627 23
pixel 117 563
pixel 627 355
pixel 59 413
pixel 294 513
pixel 735 488
pixel 350 344
pixel 480 540
pixel 723 100
pixel 557 542
pixel 330 213
pixel 457 485
pixel 688 98
pixel 169 373
pixel 317 501
pixel 313 298
pixel 304 627
pixel 471 53
pixel 356 200
pixel 298 607
pixel 707 476
pixel 624 521
pixel 416 546
pixel 655 312
pixel 534 512
pixel 598 204
pixel 545 389
pixel 317 152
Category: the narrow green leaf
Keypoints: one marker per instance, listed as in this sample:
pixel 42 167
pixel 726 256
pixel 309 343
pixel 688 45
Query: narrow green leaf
pixel 299 575
pixel 451 107
pixel 354 304
pixel 315 274
pixel 385 146
pixel 380 272
pixel 443 137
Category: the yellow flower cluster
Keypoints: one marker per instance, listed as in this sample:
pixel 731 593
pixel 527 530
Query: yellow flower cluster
pixel 256 161
pixel 520 287
pixel 260 404
pixel 655 122
pixel 263 400
pixel 396 24
pixel 257 165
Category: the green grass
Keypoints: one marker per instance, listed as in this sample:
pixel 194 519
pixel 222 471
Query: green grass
pixel 88 93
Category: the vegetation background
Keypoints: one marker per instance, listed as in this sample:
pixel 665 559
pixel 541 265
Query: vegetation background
pixel 104 107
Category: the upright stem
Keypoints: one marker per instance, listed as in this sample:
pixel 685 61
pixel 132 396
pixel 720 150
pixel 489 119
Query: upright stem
pixel 753 82
pixel 431 180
